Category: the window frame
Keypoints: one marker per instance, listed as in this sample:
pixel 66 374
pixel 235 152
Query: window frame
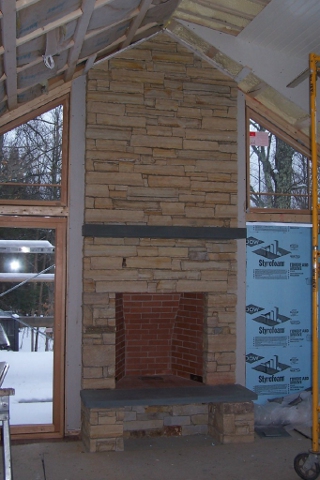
pixel 56 428
pixel 300 144
pixel 63 202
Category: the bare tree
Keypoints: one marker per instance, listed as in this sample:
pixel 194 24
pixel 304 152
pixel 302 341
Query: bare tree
pixel 279 175
pixel 31 158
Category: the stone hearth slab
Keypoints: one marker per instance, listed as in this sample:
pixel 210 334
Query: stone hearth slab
pixel 107 398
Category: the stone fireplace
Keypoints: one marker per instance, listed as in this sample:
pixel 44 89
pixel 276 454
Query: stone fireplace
pixel 171 314
pixel 161 221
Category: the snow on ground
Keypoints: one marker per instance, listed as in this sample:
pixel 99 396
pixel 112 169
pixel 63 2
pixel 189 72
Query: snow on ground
pixel 31 375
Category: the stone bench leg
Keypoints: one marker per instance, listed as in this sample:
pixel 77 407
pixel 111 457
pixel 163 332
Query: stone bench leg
pixel 102 429
pixel 231 422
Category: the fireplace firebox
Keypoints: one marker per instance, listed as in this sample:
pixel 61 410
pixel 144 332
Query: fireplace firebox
pixel 159 337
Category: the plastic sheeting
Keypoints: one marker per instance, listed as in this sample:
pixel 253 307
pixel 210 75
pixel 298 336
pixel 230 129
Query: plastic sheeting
pixel 294 409
pixel 42 13
pixel 112 13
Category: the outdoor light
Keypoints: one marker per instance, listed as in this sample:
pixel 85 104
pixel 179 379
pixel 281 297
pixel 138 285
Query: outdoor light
pixel 15 265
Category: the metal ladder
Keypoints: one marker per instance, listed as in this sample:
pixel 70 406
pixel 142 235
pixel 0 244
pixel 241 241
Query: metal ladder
pixel 5 394
pixel 307 464
pixel 314 69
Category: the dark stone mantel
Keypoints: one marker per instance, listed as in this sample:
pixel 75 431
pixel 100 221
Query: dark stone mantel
pixel 169 232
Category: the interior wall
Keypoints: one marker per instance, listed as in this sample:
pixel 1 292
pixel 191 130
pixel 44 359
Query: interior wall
pixel 241 252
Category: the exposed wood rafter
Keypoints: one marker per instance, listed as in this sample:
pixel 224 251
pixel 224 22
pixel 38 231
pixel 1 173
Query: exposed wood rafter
pixel 83 22
pixel 143 8
pixel 74 36
pixel 8 25
pixel 300 78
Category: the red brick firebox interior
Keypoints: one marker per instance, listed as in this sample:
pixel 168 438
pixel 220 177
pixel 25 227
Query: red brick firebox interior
pixel 159 335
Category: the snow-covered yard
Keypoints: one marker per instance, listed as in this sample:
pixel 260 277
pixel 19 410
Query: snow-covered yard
pixel 31 375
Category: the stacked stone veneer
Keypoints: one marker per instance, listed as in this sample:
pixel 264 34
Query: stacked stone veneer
pixel 160 150
pixel 106 429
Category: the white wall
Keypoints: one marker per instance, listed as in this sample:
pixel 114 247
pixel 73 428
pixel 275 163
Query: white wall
pixel 74 261
pixel 241 253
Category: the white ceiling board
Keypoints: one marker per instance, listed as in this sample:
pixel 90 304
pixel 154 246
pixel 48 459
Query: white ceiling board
pixel 288 26
pixel 275 68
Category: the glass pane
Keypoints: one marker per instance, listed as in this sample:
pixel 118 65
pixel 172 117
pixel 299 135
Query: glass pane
pixel 279 175
pixel 27 259
pixel 31 159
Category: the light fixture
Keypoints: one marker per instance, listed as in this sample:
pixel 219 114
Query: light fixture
pixel 15 265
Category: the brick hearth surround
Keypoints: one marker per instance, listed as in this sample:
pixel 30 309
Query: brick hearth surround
pixel 161 143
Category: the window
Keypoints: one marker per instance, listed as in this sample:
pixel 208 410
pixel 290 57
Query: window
pixel 279 173
pixel 32 159
pixel 32 268
pixel 33 227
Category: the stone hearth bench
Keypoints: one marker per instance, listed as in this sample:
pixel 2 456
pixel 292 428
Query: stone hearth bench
pixel 223 411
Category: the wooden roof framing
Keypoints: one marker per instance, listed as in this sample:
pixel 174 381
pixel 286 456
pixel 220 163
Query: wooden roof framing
pixel 81 31
pixel 44 44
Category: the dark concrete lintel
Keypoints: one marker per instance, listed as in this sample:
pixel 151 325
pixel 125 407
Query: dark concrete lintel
pixel 147 231
pixel 109 398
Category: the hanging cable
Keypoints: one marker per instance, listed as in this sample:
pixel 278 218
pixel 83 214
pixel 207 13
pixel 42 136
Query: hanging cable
pixel 48 61
pixel 25 281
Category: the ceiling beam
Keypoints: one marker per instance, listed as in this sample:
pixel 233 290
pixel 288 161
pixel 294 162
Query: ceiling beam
pixel 20 4
pixel 143 8
pixel 257 89
pixel 8 24
pixel 300 78
pixel 208 21
pixel 89 63
pixel 87 9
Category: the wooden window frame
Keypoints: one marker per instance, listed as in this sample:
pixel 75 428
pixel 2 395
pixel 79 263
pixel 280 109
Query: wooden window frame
pixel 46 214
pixel 300 143
pixel 56 429
pixel 64 101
